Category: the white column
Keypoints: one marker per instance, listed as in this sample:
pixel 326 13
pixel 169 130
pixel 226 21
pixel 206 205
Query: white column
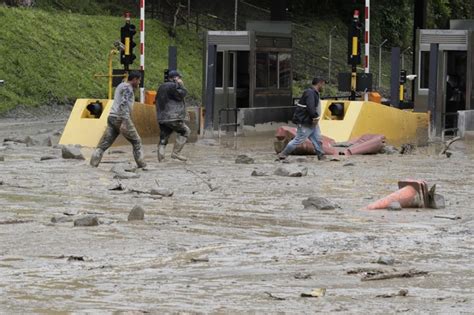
pixel 367 41
pixel 142 45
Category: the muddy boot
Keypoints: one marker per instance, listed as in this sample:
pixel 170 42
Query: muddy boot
pixel 140 160
pixel 161 152
pixel 178 146
pixel 96 157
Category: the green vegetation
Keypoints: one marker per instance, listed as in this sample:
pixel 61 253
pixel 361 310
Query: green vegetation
pixel 52 58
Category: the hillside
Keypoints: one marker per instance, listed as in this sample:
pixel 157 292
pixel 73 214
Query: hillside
pixel 52 57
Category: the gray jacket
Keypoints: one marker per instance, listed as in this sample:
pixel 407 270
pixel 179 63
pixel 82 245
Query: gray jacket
pixel 169 102
pixel 123 101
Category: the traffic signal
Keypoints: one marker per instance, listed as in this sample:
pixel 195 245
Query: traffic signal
pixel 355 31
pixel 126 37
pixel 403 76
pixel 166 75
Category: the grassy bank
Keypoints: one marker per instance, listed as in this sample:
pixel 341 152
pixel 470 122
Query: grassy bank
pixel 50 57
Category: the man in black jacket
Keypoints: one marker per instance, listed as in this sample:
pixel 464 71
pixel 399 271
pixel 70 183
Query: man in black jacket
pixel 306 117
pixel 171 113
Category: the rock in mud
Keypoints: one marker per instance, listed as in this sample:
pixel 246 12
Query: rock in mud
pixel 61 219
pixel 386 260
pixel 71 152
pixel 291 171
pixel 259 173
pixel 244 159
pixel 394 206
pixel 42 141
pixel 437 202
pixel 161 192
pixel 137 214
pixel 90 220
pixel 319 203
pixel 126 175
pixel 120 168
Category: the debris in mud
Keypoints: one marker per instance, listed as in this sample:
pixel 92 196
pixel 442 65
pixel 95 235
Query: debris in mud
pixel 319 203
pixel 207 182
pixel 394 206
pixel 273 297
pixel 302 276
pixel 386 260
pixel 14 221
pixel 71 152
pixel 407 148
pixel 334 159
pixel 202 259
pixel 258 173
pixel 16 140
pixel 116 152
pixel 389 149
pixel 90 220
pixel 384 276
pixel 449 217
pixel 349 164
pixel 48 157
pixel 244 159
pixel 446 147
pixel 2 158
pixel 137 214
pixel 365 271
pixel 161 192
pixel 402 292
pixel 319 292
pixel 75 258
pixel 291 171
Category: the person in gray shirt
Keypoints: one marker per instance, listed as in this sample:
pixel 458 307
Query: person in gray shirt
pixel 120 122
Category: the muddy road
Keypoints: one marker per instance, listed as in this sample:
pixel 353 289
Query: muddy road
pixel 226 241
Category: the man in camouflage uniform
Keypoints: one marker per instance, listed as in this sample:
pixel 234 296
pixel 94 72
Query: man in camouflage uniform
pixel 120 121
pixel 171 113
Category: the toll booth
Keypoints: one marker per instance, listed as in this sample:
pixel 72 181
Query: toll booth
pixel 445 69
pixel 253 75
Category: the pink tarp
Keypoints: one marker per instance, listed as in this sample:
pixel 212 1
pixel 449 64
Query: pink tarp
pixel 366 144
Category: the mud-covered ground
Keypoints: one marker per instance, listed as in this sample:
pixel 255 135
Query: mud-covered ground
pixel 226 241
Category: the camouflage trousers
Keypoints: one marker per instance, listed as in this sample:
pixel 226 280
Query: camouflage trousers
pixel 124 126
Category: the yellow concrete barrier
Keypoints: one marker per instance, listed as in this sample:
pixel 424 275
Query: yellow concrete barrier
pixel 84 129
pixel 359 118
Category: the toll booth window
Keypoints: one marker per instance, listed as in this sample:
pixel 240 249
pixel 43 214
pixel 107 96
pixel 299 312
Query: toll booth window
pixel 231 70
pixel 262 70
pixel 273 70
pixel 220 69
pixel 284 67
pixel 424 69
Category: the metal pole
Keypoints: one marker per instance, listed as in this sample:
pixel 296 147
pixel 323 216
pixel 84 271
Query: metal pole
pixel 380 62
pixel 235 14
pixel 330 54
pixel 403 57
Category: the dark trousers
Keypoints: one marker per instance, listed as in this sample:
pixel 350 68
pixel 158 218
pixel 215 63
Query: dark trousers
pixel 167 128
